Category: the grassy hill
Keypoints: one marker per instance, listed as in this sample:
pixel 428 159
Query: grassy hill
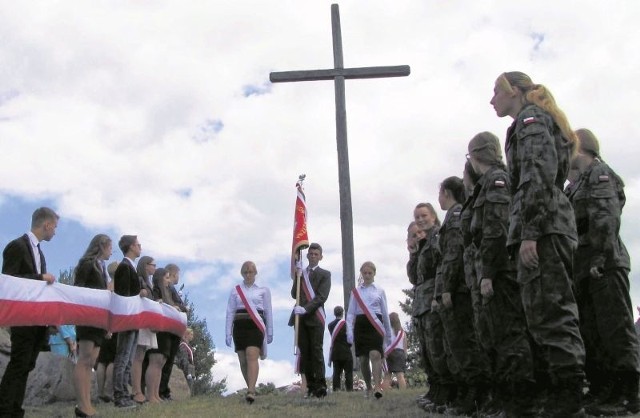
pixel 394 404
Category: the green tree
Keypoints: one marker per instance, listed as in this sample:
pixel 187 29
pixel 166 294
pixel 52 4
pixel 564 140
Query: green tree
pixel 415 374
pixel 67 276
pixel 203 355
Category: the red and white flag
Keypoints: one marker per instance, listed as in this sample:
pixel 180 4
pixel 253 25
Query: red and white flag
pixel 300 234
pixel 26 302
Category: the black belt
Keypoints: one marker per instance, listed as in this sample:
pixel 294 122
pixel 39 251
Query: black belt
pixel 260 311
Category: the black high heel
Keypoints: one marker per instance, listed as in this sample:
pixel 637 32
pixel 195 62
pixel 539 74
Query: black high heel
pixel 78 413
pixel 250 398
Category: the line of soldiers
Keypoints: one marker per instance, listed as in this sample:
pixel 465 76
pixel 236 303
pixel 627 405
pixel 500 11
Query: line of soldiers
pixel 522 294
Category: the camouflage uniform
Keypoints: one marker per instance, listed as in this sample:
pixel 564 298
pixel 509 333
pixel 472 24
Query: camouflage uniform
pixel 538 165
pixel 606 313
pixel 458 320
pixel 501 326
pixel 418 312
pixel 430 320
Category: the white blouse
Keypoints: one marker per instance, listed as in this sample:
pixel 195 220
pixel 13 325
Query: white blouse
pixel 375 298
pixel 261 298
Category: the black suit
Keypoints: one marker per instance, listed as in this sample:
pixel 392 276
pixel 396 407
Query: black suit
pixel 165 390
pixel 18 260
pixel 341 358
pixel 125 283
pixel 311 330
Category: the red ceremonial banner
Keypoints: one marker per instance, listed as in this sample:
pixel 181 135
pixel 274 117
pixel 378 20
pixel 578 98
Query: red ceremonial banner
pixel 300 235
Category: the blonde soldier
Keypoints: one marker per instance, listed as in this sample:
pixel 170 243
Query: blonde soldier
pixel 542 231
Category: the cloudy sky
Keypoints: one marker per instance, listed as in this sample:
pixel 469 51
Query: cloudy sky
pixel 157 118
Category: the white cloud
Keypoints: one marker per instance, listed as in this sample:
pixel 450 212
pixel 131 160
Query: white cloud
pixel 102 103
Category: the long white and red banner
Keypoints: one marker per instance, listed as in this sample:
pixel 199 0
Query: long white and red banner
pixel 33 302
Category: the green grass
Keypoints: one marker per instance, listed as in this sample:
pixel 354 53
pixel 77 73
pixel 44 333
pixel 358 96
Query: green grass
pixel 394 404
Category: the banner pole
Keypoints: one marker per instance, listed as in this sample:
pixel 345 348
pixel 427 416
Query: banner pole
pixel 297 317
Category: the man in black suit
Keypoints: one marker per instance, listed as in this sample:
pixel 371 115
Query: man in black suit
pixel 125 283
pixel 165 390
pixel 340 354
pixel 311 322
pixel 22 257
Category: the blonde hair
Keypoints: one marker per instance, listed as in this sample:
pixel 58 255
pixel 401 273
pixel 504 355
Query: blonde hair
pixel 540 96
pixel 394 319
pixel 368 264
pixel 246 265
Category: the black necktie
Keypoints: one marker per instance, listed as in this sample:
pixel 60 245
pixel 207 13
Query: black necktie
pixel 39 258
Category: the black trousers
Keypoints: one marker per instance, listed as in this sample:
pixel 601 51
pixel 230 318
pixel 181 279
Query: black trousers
pixel 340 366
pixel 310 340
pixel 165 391
pixel 26 343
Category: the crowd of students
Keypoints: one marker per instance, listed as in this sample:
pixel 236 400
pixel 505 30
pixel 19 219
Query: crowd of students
pixel 142 359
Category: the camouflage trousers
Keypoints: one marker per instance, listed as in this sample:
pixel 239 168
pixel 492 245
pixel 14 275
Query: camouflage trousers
pixel 419 324
pixel 606 323
pixel 550 307
pixel 460 335
pixel 441 362
pixel 502 332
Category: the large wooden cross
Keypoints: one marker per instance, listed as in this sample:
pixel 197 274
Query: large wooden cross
pixel 339 74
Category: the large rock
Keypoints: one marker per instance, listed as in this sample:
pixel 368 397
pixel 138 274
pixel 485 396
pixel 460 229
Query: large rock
pixel 5 341
pixel 52 378
pixel 50 381
pixel 178 385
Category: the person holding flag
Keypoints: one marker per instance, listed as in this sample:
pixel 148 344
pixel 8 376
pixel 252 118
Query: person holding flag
pixel 368 327
pixel 311 290
pixel 249 325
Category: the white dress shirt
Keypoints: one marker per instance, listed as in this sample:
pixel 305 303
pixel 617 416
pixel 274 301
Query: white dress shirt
pixel 261 298
pixel 375 298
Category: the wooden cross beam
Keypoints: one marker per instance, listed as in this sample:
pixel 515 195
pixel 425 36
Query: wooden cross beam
pixel 338 74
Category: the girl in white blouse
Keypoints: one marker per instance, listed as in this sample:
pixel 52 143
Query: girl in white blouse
pixel 369 328
pixel 249 325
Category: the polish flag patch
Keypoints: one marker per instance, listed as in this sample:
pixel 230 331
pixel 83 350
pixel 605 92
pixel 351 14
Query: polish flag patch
pixel 603 178
pixel 499 183
pixel 528 120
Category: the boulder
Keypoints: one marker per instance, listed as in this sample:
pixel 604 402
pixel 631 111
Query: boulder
pixel 52 378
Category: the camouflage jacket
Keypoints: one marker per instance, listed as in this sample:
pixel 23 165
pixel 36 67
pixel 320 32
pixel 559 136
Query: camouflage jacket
pixel 538 161
pixel 469 255
pixel 598 198
pixel 426 270
pixel 489 224
pixel 450 274
pixel 412 267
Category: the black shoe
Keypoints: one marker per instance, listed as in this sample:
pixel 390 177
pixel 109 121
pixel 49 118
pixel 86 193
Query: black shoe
pixel 167 398
pixel 124 403
pixel 105 399
pixel 78 413
pixel 321 393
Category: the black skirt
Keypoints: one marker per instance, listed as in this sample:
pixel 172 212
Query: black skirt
pixel 397 361
pixel 107 349
pixel 164 344
pixel 90 334
pixel 245 332
pixel 365 336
